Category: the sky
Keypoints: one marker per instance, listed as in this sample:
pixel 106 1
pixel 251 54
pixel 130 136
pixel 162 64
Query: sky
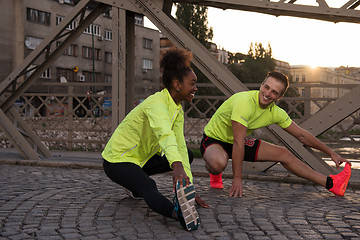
pixel 298 41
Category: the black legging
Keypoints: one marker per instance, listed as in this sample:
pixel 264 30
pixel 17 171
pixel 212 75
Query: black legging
pixel 137 180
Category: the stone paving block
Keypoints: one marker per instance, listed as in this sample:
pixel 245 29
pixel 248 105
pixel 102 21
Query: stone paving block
pixel 295 237
pixel 332 236
pixel 240 236
pixel 184 236
pixel 21 236
pixel 278 237
pixel 89 238
pixel 255 233
pixel 74 235
pixel 46 232
pixel 49 238
pixel 349 234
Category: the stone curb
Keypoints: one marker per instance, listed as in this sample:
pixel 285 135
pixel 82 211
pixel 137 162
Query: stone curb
pixel 258 177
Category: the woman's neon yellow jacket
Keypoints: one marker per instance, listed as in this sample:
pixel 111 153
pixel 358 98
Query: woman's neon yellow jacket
pixel 155 126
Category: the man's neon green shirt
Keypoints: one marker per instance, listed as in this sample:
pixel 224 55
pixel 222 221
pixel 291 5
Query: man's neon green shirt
pixel 155 126
pixel 243 107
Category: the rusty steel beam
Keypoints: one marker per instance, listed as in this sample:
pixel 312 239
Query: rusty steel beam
pixel 321 11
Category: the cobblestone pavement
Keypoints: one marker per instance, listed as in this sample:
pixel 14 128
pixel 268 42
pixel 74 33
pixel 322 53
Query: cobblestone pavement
pixel 59 203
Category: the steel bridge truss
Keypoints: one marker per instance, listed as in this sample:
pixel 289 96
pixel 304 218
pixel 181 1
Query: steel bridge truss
pixel 158 12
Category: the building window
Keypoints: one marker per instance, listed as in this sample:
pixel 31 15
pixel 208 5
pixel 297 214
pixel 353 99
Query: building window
pixel 71 26
pixel 108 78
pixel 139 20
pixel 147 64
pixel 108 57
pixel 37 16
pixel 70 51
pixel 108 35
pixel 68 74
pixel 89 76
pixel 46 74
pixel 147 43
pixel 32 42
pixel 59 19
pixel 93 29
pixel 303 78
pixel 89 52
pixel 106 13
pixel 297 78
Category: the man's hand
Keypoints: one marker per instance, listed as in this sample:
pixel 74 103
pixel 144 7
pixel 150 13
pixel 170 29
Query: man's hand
pixel 201 202
pixel 179 174
pixel 339 160
pixel 236 188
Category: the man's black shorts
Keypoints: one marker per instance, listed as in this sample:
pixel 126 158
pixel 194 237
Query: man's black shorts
pixel 251 147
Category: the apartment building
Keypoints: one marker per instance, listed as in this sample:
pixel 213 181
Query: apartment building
pixel 318 75
pixel 282 67
pixel 25 23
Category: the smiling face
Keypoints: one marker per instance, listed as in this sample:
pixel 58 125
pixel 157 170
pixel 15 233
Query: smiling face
pixel 270 91
pixel 185 90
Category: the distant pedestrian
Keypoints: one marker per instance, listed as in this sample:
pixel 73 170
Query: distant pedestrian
pixel 225 138
pixel 150 140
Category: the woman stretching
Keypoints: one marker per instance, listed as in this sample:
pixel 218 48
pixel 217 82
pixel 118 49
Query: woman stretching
pixel 150 140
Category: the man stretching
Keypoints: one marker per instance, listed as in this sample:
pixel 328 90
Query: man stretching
pixel 225 138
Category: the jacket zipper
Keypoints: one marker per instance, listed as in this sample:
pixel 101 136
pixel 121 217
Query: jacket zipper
pixel 128 150
pixel 152 154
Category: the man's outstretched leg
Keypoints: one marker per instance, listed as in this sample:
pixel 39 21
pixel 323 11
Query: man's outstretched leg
pixel 335 183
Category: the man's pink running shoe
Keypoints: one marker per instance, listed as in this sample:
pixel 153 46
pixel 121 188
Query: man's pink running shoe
pixel 216 181
pixel 340 181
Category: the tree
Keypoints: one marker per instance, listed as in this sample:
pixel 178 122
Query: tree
pixel 258 62
pixel 194 19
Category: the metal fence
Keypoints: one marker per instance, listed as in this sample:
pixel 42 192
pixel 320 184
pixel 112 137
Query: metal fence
pixel 299 108
pixel 74 119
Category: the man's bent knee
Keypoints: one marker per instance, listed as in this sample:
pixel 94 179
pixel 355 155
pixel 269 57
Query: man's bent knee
pixel 215 167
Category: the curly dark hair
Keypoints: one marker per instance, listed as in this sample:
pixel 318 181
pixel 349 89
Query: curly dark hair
pixel 175 64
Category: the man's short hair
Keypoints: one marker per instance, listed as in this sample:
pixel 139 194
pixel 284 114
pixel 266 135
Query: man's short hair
pixel 280 77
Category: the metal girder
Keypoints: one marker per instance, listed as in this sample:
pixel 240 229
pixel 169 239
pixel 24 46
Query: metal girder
pixel 321 11
pixel 123 80
pixel 334 113
pixel 22 136
pixel 118 67
pixel 16 137
pixel 16 129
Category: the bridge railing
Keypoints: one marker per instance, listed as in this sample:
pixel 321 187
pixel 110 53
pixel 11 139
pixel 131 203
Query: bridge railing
pixel 76 119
